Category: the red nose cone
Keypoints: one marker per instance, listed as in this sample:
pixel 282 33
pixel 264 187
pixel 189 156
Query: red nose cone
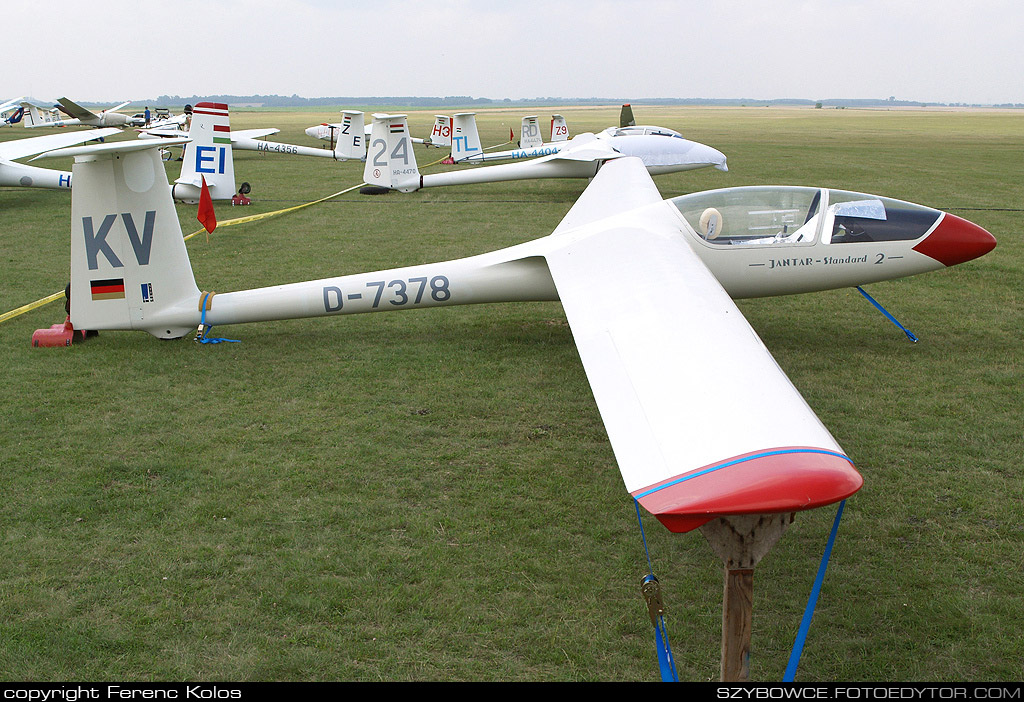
pixel 956 240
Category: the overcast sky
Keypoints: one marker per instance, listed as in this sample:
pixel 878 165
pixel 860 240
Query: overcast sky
pixel 113 50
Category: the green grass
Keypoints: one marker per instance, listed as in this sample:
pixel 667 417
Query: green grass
pixel 431 496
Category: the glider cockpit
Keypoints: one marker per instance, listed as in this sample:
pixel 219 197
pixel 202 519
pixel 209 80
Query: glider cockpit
pixel 642 129
pixel 793 215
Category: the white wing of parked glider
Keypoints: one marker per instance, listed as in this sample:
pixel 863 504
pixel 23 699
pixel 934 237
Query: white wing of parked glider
pixel 11 104
pixel 21 148
pixel 253 133
pixel 585 147
pixel 604 197
pixel 702 420
pixel 235 134
pixel 23 175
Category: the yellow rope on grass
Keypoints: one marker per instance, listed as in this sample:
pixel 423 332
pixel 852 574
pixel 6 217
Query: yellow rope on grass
pixel 265 215
pixel 31 306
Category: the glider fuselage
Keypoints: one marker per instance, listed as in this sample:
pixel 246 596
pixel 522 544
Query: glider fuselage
pixel 520 273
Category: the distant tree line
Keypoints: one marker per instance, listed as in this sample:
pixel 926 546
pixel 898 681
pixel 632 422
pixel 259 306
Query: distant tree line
pixel 455 101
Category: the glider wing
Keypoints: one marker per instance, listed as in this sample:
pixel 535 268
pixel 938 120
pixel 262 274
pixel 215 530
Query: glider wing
pixel 76 110
pixel 253 133
pixel 36 145
pixel 702 420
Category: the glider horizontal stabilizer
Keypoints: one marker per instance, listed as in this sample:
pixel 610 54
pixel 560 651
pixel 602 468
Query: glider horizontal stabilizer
pixel 21 148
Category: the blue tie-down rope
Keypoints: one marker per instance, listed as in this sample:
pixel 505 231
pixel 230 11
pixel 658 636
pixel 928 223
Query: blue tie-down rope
pixel 812 601
pixel 204 330
pixel 892 319
pixel 666 663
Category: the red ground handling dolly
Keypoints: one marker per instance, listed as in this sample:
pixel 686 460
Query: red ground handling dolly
pixel 59 335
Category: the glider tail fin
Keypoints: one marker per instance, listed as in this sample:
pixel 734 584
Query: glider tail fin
pixel 559 129
pixel 208 155
pixel 390 161
pixel 351 144
pixel 529 133
pixel 441 134
pixel 15 116
pixel 626 116
pixel 129 265
pixel 465 139
pixel 33 116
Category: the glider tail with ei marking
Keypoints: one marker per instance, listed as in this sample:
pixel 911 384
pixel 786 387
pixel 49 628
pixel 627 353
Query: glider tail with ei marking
pixel 208 155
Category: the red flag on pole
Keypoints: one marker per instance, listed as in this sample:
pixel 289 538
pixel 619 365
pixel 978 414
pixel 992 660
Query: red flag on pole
pixel 206 215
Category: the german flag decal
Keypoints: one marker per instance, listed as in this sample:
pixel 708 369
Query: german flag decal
pixel 112 289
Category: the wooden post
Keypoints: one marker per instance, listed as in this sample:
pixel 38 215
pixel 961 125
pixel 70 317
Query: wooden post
pixel 741 541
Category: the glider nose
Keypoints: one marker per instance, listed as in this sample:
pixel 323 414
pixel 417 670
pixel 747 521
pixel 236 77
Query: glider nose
pixel 955 241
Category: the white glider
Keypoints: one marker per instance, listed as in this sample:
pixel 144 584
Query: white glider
pixel 349 146
pixel 662 150
pixel 19 174
pixel 333 131
pixel 391 163
pixel 348 141
pixel 646 285
pixel 78 115
pixel 165 121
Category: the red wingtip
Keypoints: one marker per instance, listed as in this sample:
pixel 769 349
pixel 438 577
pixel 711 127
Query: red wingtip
pixel 955 241
pixel 761 482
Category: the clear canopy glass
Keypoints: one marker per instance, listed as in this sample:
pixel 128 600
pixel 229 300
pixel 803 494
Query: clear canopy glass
pixel 786 215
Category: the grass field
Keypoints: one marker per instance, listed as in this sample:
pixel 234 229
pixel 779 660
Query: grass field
pixel 432 496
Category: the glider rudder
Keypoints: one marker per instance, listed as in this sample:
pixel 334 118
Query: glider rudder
pixel 626 116
pixel 390 161
pixel 129 265
pixel 559 128
pixel 441 134
pixel 465 139
pixel 208 155
pixel 529 133
pixel 351 144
